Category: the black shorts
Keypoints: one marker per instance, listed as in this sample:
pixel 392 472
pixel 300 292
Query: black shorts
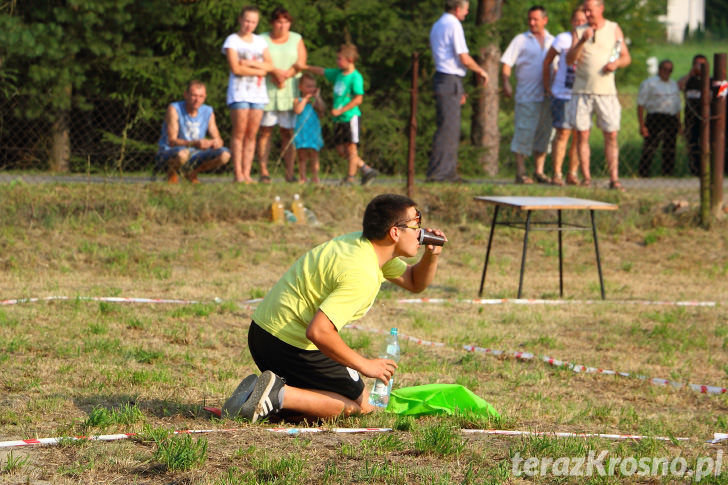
pixel 347 131
pixel 306 369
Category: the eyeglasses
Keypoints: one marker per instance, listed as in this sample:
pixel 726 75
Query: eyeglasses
pixel 417 218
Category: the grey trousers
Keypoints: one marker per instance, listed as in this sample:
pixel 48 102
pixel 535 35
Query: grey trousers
pixel 444 157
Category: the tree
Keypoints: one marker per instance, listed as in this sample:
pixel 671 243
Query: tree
pixel 484 131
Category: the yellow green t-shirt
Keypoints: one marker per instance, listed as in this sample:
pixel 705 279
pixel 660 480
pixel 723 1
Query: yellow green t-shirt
pixel 340 277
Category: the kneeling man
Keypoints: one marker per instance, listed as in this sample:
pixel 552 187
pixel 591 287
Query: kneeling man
pixel 294 337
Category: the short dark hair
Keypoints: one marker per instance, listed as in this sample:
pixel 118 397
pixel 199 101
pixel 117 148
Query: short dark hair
pixel 699 56
pixel 383 212
pixel 281 12
pixel 664 62
pixel 539 8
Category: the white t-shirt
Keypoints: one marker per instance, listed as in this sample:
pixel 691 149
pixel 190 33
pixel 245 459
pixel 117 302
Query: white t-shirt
pixel 658 96
pixel 447 40
pixel 249 89
pixel 561 44
pixel 526 53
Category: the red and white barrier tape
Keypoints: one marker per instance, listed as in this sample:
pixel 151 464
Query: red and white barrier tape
pixel 535 301
pixel 102 437
pixel 328 430
pixel 717 437
pixel 559 434
pixel 704 389
pixel 476 301
pixel 118 299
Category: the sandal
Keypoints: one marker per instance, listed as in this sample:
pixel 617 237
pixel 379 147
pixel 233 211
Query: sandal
pixel 572 179
pixel 586 183
pixel 523 179
pixel 541 178
pixel 557 180
pixel 264 179
pixel 616 185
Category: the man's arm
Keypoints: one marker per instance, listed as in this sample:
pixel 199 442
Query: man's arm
pixel 322 332
pixel 506 80
pixel 624 59
pixel 216 141
pixel 419 276
pixel 577 46
pixel 470 63
pixel 640 117
pixel 171 118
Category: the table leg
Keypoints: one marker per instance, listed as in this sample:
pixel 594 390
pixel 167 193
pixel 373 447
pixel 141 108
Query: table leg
pixel 487 251
pixel 523 257
pixel 596 249
pixel 561 261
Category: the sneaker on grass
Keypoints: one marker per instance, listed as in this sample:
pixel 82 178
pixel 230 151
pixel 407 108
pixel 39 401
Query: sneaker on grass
pixel 232 406
pixel 266 399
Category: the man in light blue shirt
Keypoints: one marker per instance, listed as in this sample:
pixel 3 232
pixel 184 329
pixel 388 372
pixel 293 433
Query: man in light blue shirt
pixel 452 60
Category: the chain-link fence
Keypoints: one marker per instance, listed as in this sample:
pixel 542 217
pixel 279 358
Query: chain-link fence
pixel 112 137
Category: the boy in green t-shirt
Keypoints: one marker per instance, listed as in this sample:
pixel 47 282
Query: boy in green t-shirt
pixel 348 95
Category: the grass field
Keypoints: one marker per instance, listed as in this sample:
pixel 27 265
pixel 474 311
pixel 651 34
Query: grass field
pixel 80 367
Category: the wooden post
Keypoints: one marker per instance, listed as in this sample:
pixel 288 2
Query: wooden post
pixel 412 125
pixel 705 146
pixel 717 132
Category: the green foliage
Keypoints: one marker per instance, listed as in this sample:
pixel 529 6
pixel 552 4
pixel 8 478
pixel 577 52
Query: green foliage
pixel 14 463
pixel 69 55
pixel 285 469
pixel 101 417
pixel 181 452
pixel 439 439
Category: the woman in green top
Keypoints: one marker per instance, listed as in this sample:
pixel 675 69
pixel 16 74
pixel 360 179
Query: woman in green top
pixel 286 49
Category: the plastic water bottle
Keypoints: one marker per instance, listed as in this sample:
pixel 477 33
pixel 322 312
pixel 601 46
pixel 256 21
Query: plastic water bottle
pixel 381 391
pixel 298 209
pixel 276 211
pixel 289 216
pixel 311 219
pixel 616 51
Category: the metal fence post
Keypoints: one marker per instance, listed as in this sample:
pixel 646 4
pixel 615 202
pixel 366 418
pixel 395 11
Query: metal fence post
pixel 718 135
pixel 705 146
pixel 412 125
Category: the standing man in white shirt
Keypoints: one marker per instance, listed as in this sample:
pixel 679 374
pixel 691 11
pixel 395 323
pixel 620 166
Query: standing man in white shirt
pixel 598 51
pixel 532 130
pixel 452 60
pixel 659 97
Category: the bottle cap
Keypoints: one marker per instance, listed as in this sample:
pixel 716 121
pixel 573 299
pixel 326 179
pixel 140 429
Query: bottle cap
pixel 393 331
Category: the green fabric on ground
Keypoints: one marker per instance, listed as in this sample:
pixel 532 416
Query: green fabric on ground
pixel 438 399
